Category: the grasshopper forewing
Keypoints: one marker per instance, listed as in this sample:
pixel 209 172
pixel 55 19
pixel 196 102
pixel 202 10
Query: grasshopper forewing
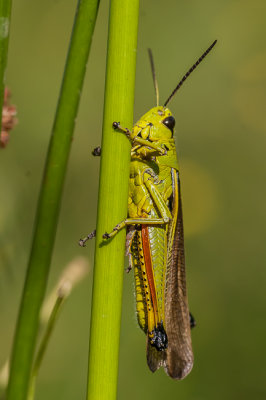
pixel 155 239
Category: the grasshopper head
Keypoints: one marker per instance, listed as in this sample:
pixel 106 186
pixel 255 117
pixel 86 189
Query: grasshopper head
pixel 157 125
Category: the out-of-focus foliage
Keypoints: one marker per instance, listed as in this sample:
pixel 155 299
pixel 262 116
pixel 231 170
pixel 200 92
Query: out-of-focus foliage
pixel 221 138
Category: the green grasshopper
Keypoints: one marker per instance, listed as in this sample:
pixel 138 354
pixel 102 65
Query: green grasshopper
pixel 155 241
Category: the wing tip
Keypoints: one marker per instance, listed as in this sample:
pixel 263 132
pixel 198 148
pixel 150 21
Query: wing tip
pixel 155 358
pixel 179 372
pixel 177 369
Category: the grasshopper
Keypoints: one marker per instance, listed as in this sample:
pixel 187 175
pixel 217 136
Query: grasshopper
pixel 155 240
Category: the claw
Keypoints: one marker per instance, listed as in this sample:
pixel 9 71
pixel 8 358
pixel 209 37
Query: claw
pixel 90 236
pixel 82 242
pixel 116 125
pixel 96 152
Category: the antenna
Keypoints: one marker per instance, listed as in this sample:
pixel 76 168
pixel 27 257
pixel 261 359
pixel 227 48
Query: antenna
pixel 154 77
pixel 189 72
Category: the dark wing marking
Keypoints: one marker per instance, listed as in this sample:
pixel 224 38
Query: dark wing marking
pixel 179 357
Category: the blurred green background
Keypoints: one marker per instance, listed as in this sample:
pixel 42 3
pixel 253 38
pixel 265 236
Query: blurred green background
pixel 221 139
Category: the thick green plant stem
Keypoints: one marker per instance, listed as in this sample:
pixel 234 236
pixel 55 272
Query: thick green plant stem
pixel 49 200
pixel 5 13
pixel 112 204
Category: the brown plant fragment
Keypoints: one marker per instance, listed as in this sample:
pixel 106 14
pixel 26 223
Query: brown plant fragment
pixel 9 119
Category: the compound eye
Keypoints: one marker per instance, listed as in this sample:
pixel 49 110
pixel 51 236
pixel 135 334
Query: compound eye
pixel 169 122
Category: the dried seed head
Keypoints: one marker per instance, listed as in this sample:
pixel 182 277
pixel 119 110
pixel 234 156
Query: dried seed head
pixel 9 119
